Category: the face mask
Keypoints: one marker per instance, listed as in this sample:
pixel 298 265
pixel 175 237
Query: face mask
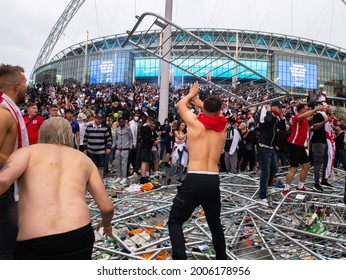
pixel 252 128
pixel 136 119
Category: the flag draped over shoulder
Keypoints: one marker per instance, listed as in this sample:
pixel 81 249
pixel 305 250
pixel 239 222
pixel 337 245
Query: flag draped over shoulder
pixel 330 147
pixel 22 136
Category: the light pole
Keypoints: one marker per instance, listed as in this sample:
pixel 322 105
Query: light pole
pixel 166 50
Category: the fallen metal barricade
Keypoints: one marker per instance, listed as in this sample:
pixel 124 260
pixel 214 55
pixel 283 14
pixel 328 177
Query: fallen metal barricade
pixel 299 226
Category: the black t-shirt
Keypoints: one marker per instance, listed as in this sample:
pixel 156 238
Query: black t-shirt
pixel 147 137
pixel 319 135
pixel 166 128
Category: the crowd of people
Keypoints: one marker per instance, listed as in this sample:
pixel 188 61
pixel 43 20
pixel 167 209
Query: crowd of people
pixel 134 104
pixel 116 127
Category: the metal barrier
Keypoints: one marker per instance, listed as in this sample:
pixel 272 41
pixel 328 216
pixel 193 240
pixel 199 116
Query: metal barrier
pixel 301 225
pixel 209 61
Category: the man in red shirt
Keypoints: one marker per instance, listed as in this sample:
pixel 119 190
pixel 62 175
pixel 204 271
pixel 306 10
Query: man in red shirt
pixel 33 123
pixel 296 147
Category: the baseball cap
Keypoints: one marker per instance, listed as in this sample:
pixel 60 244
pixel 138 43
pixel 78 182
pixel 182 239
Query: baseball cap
pixel 277 103
pixel 81 117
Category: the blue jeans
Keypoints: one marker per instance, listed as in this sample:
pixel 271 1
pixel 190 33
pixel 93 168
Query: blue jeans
pixel 340 157
pixel 269 167
pixel 8 225
pixel 177 165
pixel 162 148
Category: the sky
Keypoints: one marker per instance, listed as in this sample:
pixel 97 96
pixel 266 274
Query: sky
pixel 26 24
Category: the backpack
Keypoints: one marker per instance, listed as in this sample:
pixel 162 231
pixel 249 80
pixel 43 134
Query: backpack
pixel 229 139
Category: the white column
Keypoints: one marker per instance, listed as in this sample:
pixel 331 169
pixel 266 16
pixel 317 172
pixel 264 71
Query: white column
pixel 85 58
pixel 164 86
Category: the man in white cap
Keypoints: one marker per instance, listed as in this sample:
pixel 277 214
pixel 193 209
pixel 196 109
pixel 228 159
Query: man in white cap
pixel 322 95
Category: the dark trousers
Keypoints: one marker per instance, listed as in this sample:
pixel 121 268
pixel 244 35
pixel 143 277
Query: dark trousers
pixel 249 158
pixel 197 189
pixel 340 158
pixel 8 225
pixel 138 161
pixel 72 245
pixel 132 159
pixel 321 161
pixel 283 157
pixel 222 166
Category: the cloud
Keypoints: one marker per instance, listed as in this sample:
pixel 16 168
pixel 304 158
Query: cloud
pixel 27 24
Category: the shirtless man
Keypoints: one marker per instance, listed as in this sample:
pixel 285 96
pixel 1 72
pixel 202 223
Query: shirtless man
pixel 206 139
pixel 54 219
pixel 12 90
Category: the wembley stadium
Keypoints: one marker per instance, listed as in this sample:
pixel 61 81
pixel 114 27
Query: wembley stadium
pixel 294 63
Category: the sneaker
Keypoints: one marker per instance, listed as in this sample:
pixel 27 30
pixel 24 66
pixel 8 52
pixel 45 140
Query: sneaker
pixel 123 181
pixel 133 176
pixel 179 180
pixel 302 189
pixel 144 180
pixel 117 180
pixel 169 180
pixel 318 188
pixel 326 184
pixel 264 202
pixel 285 192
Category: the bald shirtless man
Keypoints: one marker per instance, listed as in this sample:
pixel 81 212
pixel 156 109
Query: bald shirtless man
pixel 205 139
pixel 13 136
pixel 54 219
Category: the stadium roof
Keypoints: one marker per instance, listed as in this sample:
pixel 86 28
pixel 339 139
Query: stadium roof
pixel 259 43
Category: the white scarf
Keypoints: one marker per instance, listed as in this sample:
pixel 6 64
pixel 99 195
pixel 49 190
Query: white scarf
pixel 22 136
